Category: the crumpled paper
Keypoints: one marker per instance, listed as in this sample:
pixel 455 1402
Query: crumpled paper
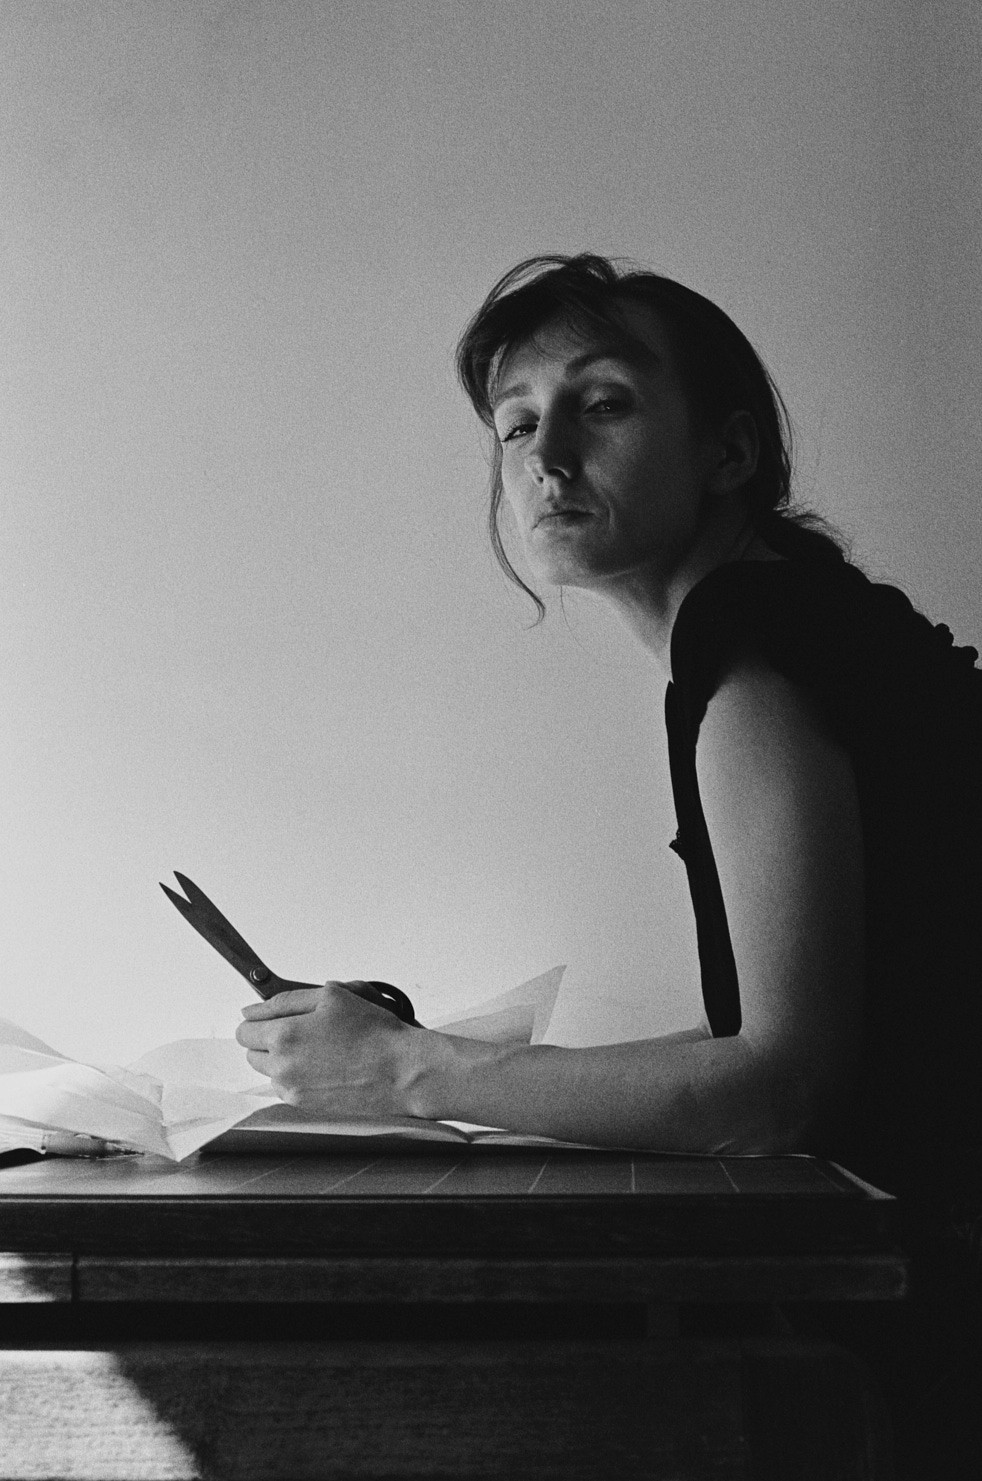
pixel 177 1098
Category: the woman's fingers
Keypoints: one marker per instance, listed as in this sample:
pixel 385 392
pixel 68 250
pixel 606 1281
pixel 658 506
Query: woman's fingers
pixel 254 1036
pixel 271 1025
pixel 326 1049
pixel 285 1004
pixel 258 1060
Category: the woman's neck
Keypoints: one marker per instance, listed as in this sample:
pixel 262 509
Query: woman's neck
pixel 648 603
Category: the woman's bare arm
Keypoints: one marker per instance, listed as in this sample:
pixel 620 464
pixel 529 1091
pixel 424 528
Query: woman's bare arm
pixel 781 807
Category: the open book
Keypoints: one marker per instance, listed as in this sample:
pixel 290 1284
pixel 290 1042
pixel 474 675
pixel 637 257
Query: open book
pixel 279 1128
pixel 202 1092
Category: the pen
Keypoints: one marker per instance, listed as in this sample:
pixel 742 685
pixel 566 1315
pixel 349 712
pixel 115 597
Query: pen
pixel 77 1144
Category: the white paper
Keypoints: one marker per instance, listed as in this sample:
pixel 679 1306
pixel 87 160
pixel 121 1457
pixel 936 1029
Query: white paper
pixel 520 1016
pixel 177 1098
pixel 43 1090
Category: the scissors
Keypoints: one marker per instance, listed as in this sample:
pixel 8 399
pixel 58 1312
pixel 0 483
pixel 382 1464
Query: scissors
pixel 198 910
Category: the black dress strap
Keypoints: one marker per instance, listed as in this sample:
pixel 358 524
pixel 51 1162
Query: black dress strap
pixel 720 988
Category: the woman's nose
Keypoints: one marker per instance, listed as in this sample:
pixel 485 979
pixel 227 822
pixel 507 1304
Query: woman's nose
pixel 552 453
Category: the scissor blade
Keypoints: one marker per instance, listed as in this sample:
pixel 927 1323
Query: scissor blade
pixel 209 922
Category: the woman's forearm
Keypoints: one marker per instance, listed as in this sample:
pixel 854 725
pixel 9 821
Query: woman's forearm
pixel 683 1093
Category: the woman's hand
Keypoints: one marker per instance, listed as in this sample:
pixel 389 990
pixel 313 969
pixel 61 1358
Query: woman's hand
pixel 329 1051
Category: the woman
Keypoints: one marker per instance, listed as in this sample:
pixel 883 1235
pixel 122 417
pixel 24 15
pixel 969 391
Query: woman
pixel 824 743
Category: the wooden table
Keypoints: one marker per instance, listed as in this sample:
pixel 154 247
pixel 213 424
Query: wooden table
pixel 471 1313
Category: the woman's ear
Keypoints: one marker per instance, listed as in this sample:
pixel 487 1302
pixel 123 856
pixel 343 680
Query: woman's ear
pixel 739 446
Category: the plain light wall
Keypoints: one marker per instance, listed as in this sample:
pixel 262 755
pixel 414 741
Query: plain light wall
pixel 251 627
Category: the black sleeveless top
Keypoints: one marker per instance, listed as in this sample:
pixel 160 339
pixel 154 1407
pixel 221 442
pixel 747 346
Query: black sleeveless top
pixel 907 707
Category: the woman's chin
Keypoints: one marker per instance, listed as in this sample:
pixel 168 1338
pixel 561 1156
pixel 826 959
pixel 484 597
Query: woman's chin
pixel 559 562
pixel 551 570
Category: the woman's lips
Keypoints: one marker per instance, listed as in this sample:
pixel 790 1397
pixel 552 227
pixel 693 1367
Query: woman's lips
pixel 562 517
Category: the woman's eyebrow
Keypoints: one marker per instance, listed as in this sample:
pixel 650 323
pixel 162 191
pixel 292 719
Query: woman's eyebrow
pixel 639 358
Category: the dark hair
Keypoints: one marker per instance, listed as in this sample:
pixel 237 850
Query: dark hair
pixel 719 368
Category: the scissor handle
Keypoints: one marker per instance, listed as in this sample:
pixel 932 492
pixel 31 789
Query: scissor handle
pixel 394 999
pixel 382 994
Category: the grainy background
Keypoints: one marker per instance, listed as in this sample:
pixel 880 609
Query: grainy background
pixel 250 626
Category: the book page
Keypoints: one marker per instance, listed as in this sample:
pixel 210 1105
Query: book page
pixel 282 1128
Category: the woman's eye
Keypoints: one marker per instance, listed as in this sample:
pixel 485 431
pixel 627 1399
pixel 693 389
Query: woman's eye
pixel 516 430
pixel 607 405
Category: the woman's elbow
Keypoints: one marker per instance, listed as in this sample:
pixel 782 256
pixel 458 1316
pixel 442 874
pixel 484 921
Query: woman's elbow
pixel 790 1101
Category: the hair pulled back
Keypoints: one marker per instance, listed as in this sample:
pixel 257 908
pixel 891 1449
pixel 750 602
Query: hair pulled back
pixel 720 371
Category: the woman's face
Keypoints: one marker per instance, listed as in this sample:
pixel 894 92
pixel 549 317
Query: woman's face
pixel 601 465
